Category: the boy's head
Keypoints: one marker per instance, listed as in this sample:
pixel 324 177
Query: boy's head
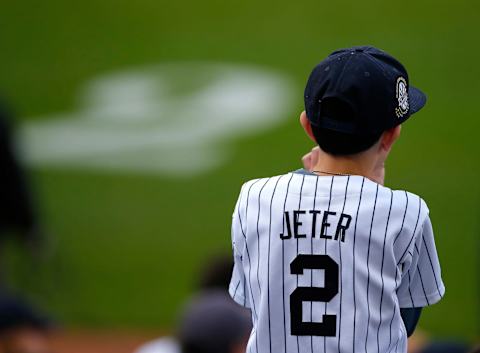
pixel 355 98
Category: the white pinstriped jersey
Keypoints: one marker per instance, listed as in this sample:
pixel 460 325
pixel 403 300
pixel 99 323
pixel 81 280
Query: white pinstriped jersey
pixel 326 262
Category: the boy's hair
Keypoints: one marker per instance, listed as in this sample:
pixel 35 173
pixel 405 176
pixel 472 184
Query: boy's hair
pixel 340 143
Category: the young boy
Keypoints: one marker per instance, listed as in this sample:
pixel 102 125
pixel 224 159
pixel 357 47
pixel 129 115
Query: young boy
pixel 327 258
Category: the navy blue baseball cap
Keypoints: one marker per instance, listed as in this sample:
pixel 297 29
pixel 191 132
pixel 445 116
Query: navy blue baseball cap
pixel 362 91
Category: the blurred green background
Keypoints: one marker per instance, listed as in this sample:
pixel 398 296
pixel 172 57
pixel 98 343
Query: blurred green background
pixel 127 247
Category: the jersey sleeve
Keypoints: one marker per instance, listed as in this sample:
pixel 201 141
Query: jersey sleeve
pixel 237 282
pixel 421 283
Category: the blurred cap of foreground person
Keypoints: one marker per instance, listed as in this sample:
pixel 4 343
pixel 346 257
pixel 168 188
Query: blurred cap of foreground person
pixel 213 323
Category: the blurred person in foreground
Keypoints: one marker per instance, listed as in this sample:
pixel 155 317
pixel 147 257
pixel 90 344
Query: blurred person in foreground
pixel 216 273
pixel 22 329
pixel 18 214
pixel 211 322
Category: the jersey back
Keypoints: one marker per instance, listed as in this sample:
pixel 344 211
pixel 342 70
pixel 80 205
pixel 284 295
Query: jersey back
pixel 326 262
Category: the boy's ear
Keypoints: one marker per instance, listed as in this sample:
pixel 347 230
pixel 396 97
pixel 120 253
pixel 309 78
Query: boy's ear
pixel 306 126
pixel 389 137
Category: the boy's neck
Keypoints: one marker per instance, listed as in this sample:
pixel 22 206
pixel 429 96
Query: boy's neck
pixel 359 164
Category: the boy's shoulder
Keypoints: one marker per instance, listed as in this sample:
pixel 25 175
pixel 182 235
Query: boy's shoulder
pixel 410 208
pixel 400 198
pixel 408 196
pixel 247 185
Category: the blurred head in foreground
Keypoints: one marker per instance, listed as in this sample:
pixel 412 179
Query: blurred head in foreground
pixel 213 323
pixel 216 272
pixel 22 330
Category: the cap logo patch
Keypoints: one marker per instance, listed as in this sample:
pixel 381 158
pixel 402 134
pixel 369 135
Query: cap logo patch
pixel 402 97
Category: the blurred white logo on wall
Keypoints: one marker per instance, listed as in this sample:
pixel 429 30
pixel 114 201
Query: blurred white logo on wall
pixel 173 119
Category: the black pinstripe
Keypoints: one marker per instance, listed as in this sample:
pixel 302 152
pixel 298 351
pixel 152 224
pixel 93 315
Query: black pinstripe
pixel 431 264
pixel 243 232
pixel 325 240
pixel 420 276
pixel 258 236
pixel 340 269
pixel 391 321
pixel 414 231
pixel 249 263
pixel 244 290
pixel 311 272
pixel 283 271
pixel 246 248
pixel 403 221
pixel 236 288
pixel 268 265
pixel 258 252
pixel 396 271
pixel 368 268
pixel 353 270
pixel 299 205
pixel 381 270
pixel 409 290
pixel 407 250
pixel 249 260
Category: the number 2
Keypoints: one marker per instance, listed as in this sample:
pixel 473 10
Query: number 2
pixel 328 326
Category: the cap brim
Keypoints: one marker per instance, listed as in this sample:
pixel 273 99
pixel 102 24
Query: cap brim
pixel 417 99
